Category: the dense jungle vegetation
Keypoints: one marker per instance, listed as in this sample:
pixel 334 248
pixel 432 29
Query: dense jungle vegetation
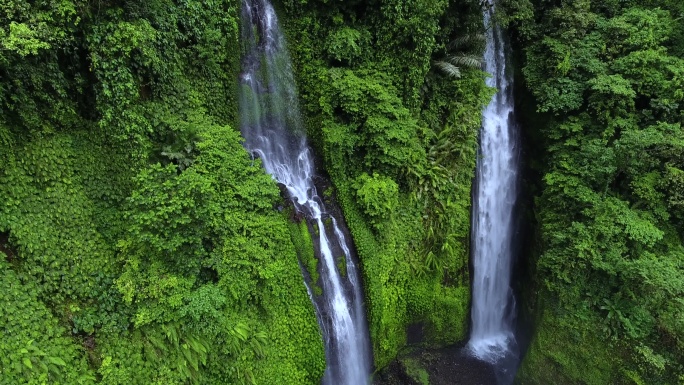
pixel 139 240
pixel 398 138
pixel 141 244
pixel 604 88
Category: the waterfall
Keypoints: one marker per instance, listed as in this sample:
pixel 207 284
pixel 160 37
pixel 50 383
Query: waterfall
pixel 493 226
pixel 271 125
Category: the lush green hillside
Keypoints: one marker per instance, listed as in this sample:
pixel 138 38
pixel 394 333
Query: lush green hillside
pixel 606 81
pixel 141 244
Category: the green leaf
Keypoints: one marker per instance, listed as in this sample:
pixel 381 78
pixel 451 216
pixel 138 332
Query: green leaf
pixel 57 361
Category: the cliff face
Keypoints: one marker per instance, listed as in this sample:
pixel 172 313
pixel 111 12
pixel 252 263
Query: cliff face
pixel 600 98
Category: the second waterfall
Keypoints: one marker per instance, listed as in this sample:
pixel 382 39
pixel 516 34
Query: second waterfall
pixel 271 125
pixel 493 233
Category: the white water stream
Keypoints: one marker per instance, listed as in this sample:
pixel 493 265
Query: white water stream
pixel 493 306
pixel 272 128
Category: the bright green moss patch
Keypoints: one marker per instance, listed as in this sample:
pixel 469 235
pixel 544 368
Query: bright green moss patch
pixel 414 370
pixel 301 239
pixel 559 355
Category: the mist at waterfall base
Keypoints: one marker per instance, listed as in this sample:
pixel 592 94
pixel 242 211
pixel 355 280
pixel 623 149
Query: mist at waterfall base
pixel 493 311
pixel 271 125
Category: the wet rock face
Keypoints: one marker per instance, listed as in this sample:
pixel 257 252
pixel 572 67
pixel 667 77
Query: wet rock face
pixel 394 374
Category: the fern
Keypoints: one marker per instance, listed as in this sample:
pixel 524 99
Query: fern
pixel 451 65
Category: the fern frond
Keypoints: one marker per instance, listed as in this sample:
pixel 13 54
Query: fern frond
pixel 157 343
pixel 240 331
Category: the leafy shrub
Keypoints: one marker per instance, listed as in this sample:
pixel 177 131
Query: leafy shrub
pixel 378 195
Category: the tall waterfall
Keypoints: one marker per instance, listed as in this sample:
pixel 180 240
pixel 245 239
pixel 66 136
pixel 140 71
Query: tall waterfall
pixel 273 131
pixel 493 228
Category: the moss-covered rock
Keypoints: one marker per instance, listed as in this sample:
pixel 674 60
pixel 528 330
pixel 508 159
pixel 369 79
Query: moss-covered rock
pixel 561 355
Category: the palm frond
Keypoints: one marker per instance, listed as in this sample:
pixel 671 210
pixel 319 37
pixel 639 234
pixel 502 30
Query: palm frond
pixel 465 60
pixel 465 40
pixel 448 69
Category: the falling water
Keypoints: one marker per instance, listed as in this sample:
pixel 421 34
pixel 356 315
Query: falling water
pixel 493 307
pixel 271 125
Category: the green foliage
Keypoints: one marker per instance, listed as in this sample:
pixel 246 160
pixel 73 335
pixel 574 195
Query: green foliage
pixel 399 142
pixel 375 123
pixel 34 349
pixel 345 44
pixel 49 217
pixel 378 195
pixel 216 215
pixel 23 40
pixel 607 77
pixel 144 244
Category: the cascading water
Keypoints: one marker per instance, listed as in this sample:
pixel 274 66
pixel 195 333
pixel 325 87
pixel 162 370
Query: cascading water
pixel 493 306
pixel 271 125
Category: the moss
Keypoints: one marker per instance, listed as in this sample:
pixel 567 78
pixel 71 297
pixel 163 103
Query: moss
pixel 301 238
pixel 415 371
pixel 560 354
pixel 447 320
pixel 342 266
